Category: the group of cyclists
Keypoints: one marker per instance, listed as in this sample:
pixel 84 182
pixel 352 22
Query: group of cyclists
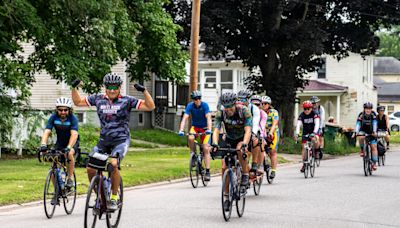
pixel 244 121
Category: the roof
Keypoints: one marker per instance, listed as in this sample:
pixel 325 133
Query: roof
pixel 388 89
pixel 386 65
pixel 315 85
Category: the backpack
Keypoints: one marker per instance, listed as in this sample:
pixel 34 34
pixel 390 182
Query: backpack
pixel 381 148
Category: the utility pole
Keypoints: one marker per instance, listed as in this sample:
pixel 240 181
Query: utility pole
pixel 194 45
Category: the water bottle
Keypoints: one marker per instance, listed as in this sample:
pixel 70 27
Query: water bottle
pixel 107 186
pixel 59 179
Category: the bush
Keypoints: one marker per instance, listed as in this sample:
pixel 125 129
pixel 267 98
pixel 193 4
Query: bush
pixel 289 146
pixel 89 135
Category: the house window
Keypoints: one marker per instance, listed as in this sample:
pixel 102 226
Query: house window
pixel 81 117
pixel 182 95
pixel 226 80
pixel 322 70
pixel 141 119
pixel 210 79
pixel 390 109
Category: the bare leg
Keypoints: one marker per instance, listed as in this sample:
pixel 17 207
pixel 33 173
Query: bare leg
pixel 115 177
pixel 71 163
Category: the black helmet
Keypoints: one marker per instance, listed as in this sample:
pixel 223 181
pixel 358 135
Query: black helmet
pixel 195 94
pixel 228 98
pixel 314 99
pixel 380 108
pixel 244 94
pixel 368 105
pixel 112 79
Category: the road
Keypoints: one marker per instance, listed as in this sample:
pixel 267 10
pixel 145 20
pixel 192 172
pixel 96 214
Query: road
pixel 338 196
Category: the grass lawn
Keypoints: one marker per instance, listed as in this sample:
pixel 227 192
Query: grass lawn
pixel 159 136
pixel 22 180
pixel 395 137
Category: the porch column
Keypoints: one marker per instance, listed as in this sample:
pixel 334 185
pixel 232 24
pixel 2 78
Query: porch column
pixel 338 109
pixel 296 111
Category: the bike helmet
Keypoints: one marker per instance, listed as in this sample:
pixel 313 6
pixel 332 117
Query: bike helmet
pixel 314 99
pixel 64 102
pixel 255 98
pixel 244 94
pixel 228 98
pixel 380 108
pixel 266 99
pixel 307 104
pixel 195 94
pixel 368 105
pixel 112 79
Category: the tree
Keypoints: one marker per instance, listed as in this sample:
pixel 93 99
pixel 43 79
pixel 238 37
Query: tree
pixel 283 38
pixel 83 39
pixel 390 43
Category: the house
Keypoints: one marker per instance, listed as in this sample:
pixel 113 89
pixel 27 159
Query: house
pixel 343 87
pixel 387 80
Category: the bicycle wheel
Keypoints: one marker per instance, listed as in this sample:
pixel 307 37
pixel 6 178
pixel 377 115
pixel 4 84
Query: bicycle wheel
pixel 379 160
pixel 93 203
pixel 194 171
pixel 318 161
pixel 202 169
pixel 240 197
pixel 50 192
pixel 227 194
pixel 312 166
pixel 267 170
pixel 369 161
pixel 114 217
pixel 306 165
pixel 383 159
pixel 70 196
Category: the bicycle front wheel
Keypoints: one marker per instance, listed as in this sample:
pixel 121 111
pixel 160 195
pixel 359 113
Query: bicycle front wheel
pixel 93 203
pixel 194 171
pixel 114 217
pixel 203 171
pixel 267 170
pixel 240 197
pixel 50 193
pixel 227 195
pixel 312 166
pixel 70 196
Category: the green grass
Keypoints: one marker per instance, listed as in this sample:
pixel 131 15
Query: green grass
pixel 159 136
pixel 395 137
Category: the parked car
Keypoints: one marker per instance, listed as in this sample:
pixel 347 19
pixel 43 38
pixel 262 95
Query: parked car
pixel 394 121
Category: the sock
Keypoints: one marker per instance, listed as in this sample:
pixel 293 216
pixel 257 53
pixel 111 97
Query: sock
pixel 274 170
pixel 374 158
pixel 114 197
pixel 207 170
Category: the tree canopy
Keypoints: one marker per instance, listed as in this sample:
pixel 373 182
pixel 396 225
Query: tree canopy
pixel 283 38
pixel 390 42
pixel 83 39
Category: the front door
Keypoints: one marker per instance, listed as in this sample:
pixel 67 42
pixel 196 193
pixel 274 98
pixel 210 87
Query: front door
pixel 210 88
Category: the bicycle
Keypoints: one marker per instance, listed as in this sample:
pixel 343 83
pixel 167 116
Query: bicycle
pixel 367 159
pixel 231 181
pixel 197 163
pixel 256 178
pixel 267 163
pixel 309 162
pixel 382 151
pixel 100 189
pixel 54 188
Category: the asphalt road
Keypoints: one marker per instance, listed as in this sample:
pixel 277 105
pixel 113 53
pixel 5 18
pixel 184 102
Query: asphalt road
pixel 338 196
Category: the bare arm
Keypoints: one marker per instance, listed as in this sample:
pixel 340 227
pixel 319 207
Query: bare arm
pixel 209 121
pixel 274 124
pixel 387 122
pixel 215 136
pixel 45 136
pixel 73 138
pixel 183 122
pixel 78 100
pixel 148 103
pixel 247 135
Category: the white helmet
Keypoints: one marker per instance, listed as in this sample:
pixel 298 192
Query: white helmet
pixel 266 99
pixel 64 102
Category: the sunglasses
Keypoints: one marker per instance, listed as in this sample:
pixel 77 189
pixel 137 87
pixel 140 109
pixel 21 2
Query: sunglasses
pixel 197 98
pixel 307 109
pixel 265 103
pixel 62 109
pixel 243 100
pixel 112 87
pixel 257 104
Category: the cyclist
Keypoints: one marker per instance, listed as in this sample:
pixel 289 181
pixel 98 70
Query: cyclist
pixel 256 101
pixel 383 123
pixel 319 109
pixel 310 121
pixel 201 123
pixel 66 125
pixel 368 123
pixel 237 121
pixel 273 133
pixel 113 110
pixel 254 147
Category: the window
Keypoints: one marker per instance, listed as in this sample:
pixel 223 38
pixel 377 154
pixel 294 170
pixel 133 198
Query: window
pixel 81 117
pixel 391 110
pixel 140 119
pixel 182 95
pixel 210 79
pixel 322 70
pixel 226 80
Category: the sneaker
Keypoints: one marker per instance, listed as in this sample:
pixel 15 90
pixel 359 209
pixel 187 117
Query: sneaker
pixel 226 205
pixel 272 176
pixel 70 183
pixel 374 167
pixel 362 153
pixel 320 154
pixel 113 205
pixel 245 180
pixel 207 176
pixel 303 168
pixel 55 201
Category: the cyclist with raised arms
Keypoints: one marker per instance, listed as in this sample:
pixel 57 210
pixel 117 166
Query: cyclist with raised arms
pixel 319 109
pixel 66 125
pixel 113 110
pixel 201 123
pixel 237 122
pixel 254 147
pixel 310 122
pixel 383 123
pixel 273 133
pixel 367 123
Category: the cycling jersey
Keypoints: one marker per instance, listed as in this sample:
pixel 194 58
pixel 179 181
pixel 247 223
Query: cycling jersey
pixel 63 129
pixel 199 119
pixel 320 111
pixel 114 115
pixel 235 124
pixel 367 123
pixel 382 125
pixel 255 112
pixel 263 123
pixel 310 123
pixel 272 115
